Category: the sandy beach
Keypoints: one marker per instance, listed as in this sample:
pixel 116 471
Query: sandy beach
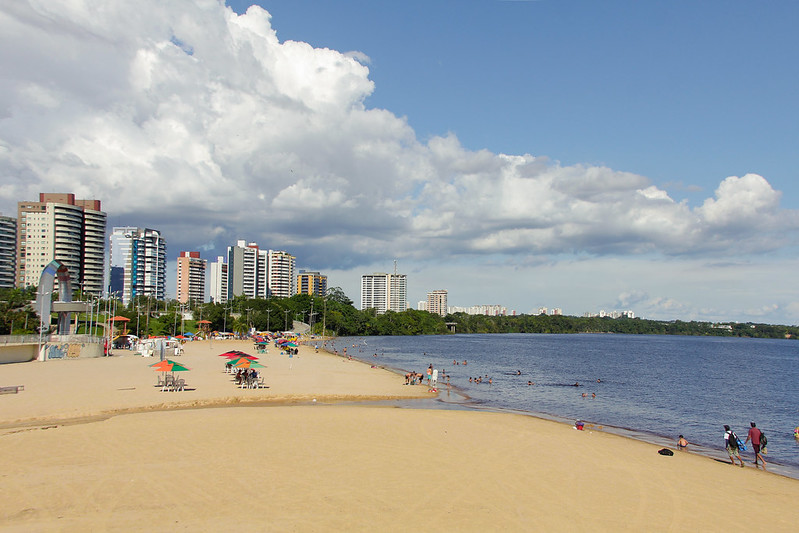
pixel 94 445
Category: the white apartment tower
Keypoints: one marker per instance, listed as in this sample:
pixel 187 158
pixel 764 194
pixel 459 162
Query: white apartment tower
pixel 140 255
pixel 437 302
pixel 218 283
pixel 59 227
pixel 243 262
pixel 384 292
pixel 280 274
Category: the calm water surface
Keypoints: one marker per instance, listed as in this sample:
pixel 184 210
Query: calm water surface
pixel 653 387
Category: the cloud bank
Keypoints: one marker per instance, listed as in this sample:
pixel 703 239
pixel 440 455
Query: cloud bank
pixel 189 118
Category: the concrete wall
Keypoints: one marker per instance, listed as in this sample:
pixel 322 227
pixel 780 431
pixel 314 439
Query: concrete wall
pixel 18 350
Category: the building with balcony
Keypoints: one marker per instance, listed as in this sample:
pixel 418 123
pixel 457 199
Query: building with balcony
pixel 312 283
pixel 219 280
pixel 191 277
pixel 59 227
pixel 280 274
pixel 141 253
pixel 437 302
pixel 384 292
pixel 8 251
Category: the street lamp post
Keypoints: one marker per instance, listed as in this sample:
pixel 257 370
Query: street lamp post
pixel 267 319
pixel 286 312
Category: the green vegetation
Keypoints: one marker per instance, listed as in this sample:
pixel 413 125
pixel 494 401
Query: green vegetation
pixel 336 315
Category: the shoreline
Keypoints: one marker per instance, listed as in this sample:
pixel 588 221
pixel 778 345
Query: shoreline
pixel 468 403
pixel 362 457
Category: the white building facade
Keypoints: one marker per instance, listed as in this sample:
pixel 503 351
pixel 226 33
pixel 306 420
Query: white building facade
pixel 141 253
pixel 218 281
pixel 384 292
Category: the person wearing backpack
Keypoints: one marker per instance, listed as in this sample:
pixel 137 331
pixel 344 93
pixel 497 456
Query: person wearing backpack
pixel 758 441
pixel 731 443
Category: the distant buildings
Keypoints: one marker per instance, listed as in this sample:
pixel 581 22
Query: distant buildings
pixel 259 273
pixel 280 274
pixel 191 277
pixel 8 251
pixel 490 310
pixel 437 302
pixel 141 254
pixel 610 314
pixel 59 227
pixel 384 292
pixel 312 283
pixel 219 280
pixel 243 271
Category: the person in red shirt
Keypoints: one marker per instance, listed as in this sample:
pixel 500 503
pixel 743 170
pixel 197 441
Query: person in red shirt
pixel 754 436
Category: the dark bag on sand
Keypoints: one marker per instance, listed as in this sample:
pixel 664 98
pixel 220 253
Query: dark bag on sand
pixel 665 451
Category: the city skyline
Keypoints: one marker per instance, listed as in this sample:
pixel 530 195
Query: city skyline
pixel 535 154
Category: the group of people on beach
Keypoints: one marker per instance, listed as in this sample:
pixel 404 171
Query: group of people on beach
pixel 733 444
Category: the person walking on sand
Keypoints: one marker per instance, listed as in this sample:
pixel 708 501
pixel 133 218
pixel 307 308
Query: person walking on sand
pixel 754 435
pixel 731 443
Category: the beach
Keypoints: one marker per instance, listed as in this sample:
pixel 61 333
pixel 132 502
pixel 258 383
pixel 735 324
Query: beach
pixel 333 445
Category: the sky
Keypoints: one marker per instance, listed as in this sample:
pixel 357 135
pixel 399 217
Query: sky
pixel 568 154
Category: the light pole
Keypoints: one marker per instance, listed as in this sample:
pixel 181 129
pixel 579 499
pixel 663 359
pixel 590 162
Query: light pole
pixel 249 327
pixel 287 320
pixel 267 319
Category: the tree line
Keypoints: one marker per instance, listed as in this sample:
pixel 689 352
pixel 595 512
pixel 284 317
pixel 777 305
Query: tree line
pixel 336 315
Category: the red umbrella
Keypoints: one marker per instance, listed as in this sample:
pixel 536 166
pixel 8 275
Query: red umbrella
pixel 236 353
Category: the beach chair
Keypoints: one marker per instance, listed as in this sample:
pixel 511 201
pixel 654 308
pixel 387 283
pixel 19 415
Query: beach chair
pixel 160 380
pixel 180 385
pixel 169 382
pixel 260 383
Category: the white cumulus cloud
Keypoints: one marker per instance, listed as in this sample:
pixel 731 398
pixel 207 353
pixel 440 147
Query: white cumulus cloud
pixel 189 118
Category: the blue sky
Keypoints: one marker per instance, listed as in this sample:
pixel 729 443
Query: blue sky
pixel 683 92
pixel 565 154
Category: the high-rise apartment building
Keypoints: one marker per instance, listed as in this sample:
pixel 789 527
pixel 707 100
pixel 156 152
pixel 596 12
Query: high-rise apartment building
pixel 280 274
pixel 312 283
pixel 243 270
pixel 141 253
pixel 8 251
pixel 259 273
pixel 437 302
pixel 384 292
pixel 191 277
pixel 59 227
pixel 219 279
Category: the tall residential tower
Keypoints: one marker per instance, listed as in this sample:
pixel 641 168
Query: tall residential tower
pixel 59 227
pixel 384 292
pixel 141 254
pixel 191 277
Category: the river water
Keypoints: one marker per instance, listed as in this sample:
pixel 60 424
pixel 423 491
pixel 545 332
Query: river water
pixel 651 387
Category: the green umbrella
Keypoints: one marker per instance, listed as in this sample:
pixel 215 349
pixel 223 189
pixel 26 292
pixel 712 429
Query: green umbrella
pixel 169 366
pixel 246 363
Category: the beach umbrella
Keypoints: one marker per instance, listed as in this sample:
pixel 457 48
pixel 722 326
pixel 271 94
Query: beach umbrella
pixel 168 365
pixel 238 360
pixel 234 353
pixel 290 345
pixel 161 366
pixel 240 355
pixel 246 363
